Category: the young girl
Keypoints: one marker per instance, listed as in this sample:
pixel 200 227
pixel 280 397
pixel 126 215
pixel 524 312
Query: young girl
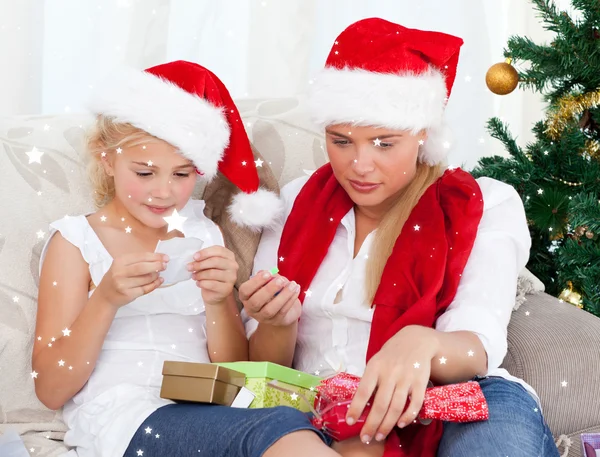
pixel 106 321
pixel 407 272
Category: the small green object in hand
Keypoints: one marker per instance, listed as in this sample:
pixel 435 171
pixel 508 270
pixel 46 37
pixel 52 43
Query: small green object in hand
pixel 274 271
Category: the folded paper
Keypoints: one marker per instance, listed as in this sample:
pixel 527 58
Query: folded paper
pixel 181 252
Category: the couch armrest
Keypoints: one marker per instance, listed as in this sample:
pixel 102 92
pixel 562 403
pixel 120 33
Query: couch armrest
pixel 558 342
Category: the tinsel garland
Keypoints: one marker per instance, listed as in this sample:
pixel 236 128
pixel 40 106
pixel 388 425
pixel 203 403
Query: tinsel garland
pixel 567 109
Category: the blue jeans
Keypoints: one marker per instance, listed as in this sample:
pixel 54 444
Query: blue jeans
pixel 192 429
pixel 515 428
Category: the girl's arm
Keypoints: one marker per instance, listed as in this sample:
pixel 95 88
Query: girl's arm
pixel 70 329
pixel 215 271
pixel 226 338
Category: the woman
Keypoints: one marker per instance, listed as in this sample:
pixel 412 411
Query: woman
pixel 407 271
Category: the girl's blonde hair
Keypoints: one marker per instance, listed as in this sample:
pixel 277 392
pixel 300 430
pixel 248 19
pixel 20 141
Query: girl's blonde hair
pixel 105 137
pixel 390 227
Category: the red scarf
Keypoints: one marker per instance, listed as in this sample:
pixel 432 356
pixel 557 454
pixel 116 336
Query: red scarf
pixel 421 275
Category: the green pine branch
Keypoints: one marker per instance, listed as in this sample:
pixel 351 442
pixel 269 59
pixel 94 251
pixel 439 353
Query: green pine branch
pixel 590 10
pixel 549 14
pixel 585 211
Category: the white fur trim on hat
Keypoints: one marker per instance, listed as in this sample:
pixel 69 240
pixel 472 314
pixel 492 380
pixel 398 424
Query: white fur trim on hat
pixel 197 128
pixel 395 101
pixel 438 143
pixel 256 210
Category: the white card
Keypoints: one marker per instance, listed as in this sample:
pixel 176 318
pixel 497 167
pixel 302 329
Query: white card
pixel 181 252
pixel 243 399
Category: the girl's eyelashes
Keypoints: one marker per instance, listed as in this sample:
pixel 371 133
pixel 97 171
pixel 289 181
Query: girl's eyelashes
pixel 145 174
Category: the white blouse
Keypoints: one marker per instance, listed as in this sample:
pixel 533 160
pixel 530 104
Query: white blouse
pixel 333 333
pixel 166 324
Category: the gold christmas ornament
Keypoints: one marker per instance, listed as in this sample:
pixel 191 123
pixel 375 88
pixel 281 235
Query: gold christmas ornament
pixel 502 78
pixel 589 235
pixel 567 109
pixel 570 296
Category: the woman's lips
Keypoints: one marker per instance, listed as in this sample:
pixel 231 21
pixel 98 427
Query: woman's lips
pixel 364 187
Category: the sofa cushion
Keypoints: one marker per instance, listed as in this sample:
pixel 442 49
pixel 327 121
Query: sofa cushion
pixel 551 342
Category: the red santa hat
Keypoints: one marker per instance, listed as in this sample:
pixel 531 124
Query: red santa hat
pixel 385 75
pixel 187 106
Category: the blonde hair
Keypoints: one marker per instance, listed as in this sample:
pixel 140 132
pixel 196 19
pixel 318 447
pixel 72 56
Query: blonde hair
pixel 105 137
pixel 390 227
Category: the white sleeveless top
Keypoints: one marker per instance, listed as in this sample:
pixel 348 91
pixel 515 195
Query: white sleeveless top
pixel 167 324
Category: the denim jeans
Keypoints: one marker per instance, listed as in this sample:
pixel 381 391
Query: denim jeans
pixel 515 428
pixel 188 429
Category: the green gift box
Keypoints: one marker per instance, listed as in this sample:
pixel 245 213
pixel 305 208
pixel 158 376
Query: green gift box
pixel 260 374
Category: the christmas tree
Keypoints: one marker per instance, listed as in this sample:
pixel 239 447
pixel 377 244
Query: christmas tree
pixel 557 175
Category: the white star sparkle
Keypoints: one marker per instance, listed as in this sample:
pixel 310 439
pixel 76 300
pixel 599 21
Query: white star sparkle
pixel 175 221
pixel 35 155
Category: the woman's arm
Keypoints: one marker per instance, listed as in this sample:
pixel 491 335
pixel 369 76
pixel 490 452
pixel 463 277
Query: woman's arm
pixel 70 329
pixel 274 337
pixel 453 356
pixel 487 289
pixel 274 343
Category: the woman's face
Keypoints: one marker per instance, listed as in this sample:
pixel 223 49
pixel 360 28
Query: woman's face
pixel 151 180
pixel 372 164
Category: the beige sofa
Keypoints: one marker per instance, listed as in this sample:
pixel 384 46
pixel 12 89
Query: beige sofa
pixel 549 341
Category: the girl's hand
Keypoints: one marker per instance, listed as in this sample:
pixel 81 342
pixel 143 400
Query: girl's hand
pixel 215 271
pixel 398 374
pixel 131 276
pixel 271 300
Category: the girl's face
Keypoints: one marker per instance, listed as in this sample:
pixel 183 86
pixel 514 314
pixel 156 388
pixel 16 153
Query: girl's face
pixel 151 180
pixel 372 164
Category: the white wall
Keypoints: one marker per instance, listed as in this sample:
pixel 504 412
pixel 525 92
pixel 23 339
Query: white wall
pixel 52 51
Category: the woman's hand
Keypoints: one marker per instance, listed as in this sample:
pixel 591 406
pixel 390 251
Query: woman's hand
pixel 271 300
pixel 398 374
pixel 215 272
pixel 131 276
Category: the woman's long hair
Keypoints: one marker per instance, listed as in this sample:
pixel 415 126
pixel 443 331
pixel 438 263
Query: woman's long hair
pixel 390 227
